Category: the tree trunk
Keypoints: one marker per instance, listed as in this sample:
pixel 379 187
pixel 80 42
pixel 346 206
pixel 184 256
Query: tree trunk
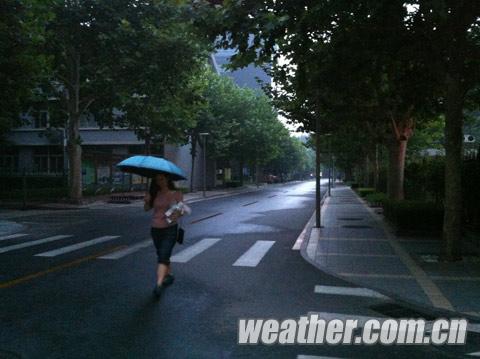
pixel 376 170
pixel 366 178
pixel 193 152
pixel 148 144
pixel 75 159
pixel 452 221
pixel 241 164
pixel 402 131
pixel 74 140
pixel 396 169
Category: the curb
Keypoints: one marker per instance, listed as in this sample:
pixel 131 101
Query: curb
pixel 409 303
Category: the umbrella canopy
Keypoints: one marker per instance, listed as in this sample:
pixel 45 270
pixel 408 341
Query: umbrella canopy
pixel 149 166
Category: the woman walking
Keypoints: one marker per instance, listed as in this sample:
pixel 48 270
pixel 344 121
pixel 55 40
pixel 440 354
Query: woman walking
pixel 161 196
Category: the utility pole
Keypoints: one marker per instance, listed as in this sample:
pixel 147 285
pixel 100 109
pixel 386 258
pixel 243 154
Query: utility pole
pixel 317 174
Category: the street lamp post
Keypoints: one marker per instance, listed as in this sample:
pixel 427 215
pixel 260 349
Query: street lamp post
pixel 204 135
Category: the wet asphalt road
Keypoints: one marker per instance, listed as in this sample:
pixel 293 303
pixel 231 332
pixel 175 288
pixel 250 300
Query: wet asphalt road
pixel 75 305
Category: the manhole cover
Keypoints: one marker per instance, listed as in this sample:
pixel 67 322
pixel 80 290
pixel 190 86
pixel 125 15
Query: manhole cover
pixel 350 218
pixel 393 310
pixel 355 226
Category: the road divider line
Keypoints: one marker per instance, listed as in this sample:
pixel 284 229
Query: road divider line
pixel 350 291
pixel 254 255
pixel 12 236
pixel 194 250
pixel 26 278
pixel 249 204
pixel 33 243
pixel 74 247
pixel 204 218
pixel 129 250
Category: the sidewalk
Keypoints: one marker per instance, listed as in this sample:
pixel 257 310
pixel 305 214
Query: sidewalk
pixel 357 245
pixel 8 216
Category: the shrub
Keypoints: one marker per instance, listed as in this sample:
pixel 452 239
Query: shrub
pixel 44 194
pixel 414 216
pixel 353 185
pixel 232 184
pixel 362 192
pixel 376 198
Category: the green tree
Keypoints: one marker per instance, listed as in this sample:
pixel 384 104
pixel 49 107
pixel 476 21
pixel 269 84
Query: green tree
pixel 450 31
pixel 22 32
pixel 124 54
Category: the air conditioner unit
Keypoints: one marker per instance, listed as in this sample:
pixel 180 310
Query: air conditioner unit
pixel 468 139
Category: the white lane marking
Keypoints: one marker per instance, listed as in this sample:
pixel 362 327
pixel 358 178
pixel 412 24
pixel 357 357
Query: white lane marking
pixel 352 291
pixel 12 236
pixel 131 249
pixel 33 243
pixel 194 250
pixel 254 255
pixel 475 354
pixel 301 237
pixel 74 247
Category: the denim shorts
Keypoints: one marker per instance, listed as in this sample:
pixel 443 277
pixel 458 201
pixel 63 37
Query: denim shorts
pixel 164 240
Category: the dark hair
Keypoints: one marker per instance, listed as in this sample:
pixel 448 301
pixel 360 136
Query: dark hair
pixel 154 188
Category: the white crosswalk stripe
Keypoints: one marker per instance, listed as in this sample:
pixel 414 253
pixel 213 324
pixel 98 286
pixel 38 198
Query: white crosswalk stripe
pixel 124 252
pixel 75 247
pixel 33 243
pixel 12 236
pixel 254 255
pixel 351 291
pixel 194 250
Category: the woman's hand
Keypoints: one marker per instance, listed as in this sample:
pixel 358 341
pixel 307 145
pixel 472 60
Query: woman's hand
pixel 175 216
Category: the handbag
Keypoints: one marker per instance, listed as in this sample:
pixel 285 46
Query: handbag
pixel 180 235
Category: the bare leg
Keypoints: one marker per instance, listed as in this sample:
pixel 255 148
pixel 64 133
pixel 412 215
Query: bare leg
pixel 162 271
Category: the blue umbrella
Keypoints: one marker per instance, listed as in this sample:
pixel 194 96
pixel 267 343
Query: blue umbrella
pixel 149 166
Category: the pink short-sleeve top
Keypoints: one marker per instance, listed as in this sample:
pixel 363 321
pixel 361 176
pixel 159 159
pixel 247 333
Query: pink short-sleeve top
pixel 161 204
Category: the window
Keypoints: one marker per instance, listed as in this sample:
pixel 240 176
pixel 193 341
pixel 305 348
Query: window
pixel 40 119
pixel 48 159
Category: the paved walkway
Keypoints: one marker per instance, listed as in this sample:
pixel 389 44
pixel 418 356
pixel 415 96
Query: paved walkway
pixel 356 244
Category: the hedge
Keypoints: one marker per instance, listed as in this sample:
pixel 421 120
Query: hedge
pixel 233 184
pixel 376 198
pixel 414 216
pixel 35 194
pixel 362 191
